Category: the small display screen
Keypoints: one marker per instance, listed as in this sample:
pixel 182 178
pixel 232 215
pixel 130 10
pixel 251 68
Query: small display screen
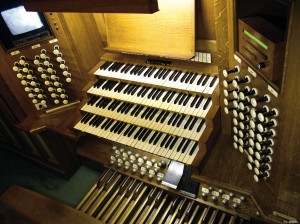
pixel 19 21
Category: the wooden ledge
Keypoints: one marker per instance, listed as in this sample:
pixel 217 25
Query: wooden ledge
pixel 22 206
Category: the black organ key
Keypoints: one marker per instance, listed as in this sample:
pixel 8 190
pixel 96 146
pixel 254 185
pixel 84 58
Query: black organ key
pixel 139 111
pixel 111 66
pixel 128 108
pixel 173 75
pixel 145 112
pixel 181 144
pixel 205 80
pixel 114 126
pixel 153 137
pixel 149 113
pixel 132 131
pixel 164 140
pixel 86 118
pixel 93 100
pixel 160 115
pixel 161 73
pixel 195 100
pixel 177 76
pixel 139 71
pixel 167 96
pixel 98 122
pixel 206 103
pixel 109 124
pixel 129 67
pixel 193 78
pixel 148 71
pixel 193 123
pixel 99 83
pixel 171 119
pixel 144 130
pixel 199 101
pixel 151 93
pixel 105 65
pixel 132 71
pixel 171 97
pixel 146 91
pixel 189 77
pixel 151 72
pixel 184 96
pixel 157 73
pixel 120 127
pixel 156 94
pixel 141 91
pixel 138 132
pixel 122 107
pixel 160 93
pixel 213 81
pixel 193 148
pixel 134 110
pixel 146 134
pixel 200 125
pixel 157 138
pixel 128 129
pixel 180 120
pixel 200 79
pixel 166 74
pixel 176 119
pixel 178 97
pixel 165 116
pixel 174 142
pixel 184 77
pixel 188 122
pixel 169 141
pixel 115 105
pixel 187 99
pixel 93 120
pixel 105 124
pixel 184 147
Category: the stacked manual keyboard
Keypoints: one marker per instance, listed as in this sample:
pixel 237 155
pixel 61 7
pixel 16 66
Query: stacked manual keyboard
pixel 164 111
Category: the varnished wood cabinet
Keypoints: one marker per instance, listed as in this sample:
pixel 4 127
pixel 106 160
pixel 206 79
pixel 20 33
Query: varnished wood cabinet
pixel 101 6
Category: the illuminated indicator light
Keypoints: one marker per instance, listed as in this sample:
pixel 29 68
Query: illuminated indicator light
pixel 264 46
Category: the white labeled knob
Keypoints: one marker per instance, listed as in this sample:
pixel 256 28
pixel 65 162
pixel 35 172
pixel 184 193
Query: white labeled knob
pixel 263 175
pixel 236 69
pixel 56 52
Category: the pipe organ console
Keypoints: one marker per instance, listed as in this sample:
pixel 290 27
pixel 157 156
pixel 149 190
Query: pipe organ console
pixel 176 140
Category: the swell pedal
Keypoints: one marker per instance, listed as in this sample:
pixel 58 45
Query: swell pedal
pixel 173 175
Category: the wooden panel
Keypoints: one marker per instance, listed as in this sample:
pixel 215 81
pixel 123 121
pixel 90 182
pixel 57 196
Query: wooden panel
pixel 84 39
pixel 115 6
pixel 205 21
pixel 169 32
pixel 281 190
pixel 290 107
pixel 19 205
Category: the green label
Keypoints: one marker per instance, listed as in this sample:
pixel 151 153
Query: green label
pixel 264 46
